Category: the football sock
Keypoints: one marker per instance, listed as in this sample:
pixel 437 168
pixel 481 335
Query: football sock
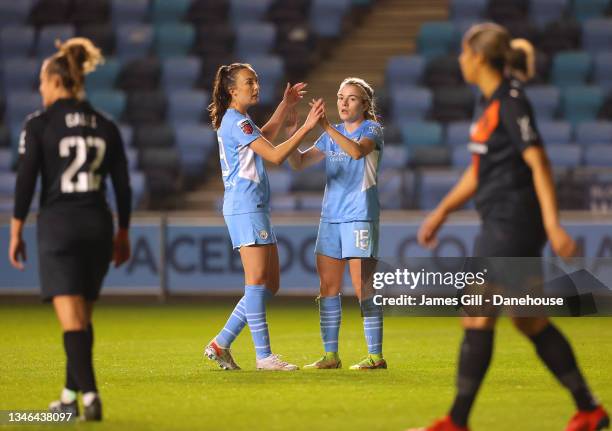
pixel 372 325
pixel 71 383
pixel 234 325
pixel 474 359
pixel 255 305
pixel 78 347
pixel 330 315
pixel 556 353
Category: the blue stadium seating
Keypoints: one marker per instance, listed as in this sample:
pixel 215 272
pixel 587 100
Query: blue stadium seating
pixel 16 41
pixel 180 73
pixel 249 10
pixel 187 106
pixel 129 11
pixel 458 134
pixel 14 12
pixel 390 188
pixel 21 74
pixel 286 202
pixel 571 68
pixel 104 77
pixel 7 183
pixel 127 134
pixel 434 186
pixel 111 103
pixel 134 40
pixel 598 156
pixel 543 12
pixel 411 103
pixel 564 156
pixel 461 10
pixel 196 135
pixel 254 39
pixel 326 17
pixel 594 132
pixel 19 104
pixel 555 132
pixel 587 9
pixel 461 157
pixel 422 134
pixel 597 35
pixel 602 75
pixel 545 100
pixel 45 45
pixel 6 159
pixel 437 39
pixel 270 70
pixel 581 103
pixel 173 39
pixel 393 157
pixel 168 11
pixel 280 180
pixel 405 70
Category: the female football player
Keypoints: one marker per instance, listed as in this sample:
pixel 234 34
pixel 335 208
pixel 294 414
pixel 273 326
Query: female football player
pixel 348 230
pixel 73 148
pixel 246 206
pixel 511 181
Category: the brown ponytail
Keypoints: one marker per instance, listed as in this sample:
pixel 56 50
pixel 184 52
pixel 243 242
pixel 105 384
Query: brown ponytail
pixel 492 41
pixel 74 59
pixel 225 79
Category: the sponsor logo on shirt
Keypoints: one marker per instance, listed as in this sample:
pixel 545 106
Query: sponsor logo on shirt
pixel 527 132
pixel 337 156
pixel 375 130
pixel 246 127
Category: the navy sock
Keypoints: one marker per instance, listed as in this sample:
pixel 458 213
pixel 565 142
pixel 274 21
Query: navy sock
pixel 78 346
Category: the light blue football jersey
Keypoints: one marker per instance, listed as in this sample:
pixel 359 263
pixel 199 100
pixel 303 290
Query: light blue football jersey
pixel 244 174
pixel 351 191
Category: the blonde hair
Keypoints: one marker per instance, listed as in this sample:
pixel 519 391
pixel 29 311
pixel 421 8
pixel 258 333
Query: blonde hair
pixel 367 89
pixel 75 58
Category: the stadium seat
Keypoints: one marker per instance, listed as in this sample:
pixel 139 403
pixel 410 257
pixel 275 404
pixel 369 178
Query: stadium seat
pixel 90 11
pixel 101 34
pixel 597 35
pixel 429 156
pixel 180 73
pixel 140 75
pixel 5 136
pixel 326 17
pixel 134 40
pixel 104 77
pixel 127 134
pixel 555 132
pixel 394 157
pixel 207 12
pixel 461 10
pixel 214 41
pixel 49 12
pixel 564 156
pixel 504 11
pixel 243 11
pixel 131 155
pixel 161 167
pixel 452 104
pixel 443 72
pixel 45 46
pixel 6 160
pixel 404 71
pixel 287 202
pixel 111 103
pixel 146 107
pixel 7 183
pixel 560 35
pixel 310 202
pixel 270 70
pixel 174 40
pixel 411 103
pixel 581 103
pixel 129 11
pixel 543 12
pixel 21 74
pixel 187 106
pixel 436 39
pixel 197 136
pixel 458 133
pixel 280 180
pixel 594 132
pixel 461 157
pixel 309 180
pixel 154 136
pixel 169 11
pixel 254 39
pixel 16 41
pixel 20 104
pixel 523 28
pixel 587 9
pixel 603 70
pixel 571 68
pixel 434 185
pixel 545 100
pixel 14 12
pixel 389 186
pixel 598 156
pixel 421 134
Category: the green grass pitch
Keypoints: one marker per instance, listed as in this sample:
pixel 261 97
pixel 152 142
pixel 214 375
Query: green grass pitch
pixel 152 375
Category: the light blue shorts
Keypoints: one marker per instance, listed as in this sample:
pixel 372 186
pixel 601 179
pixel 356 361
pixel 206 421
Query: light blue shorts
pixel 250 229
pixel 345 240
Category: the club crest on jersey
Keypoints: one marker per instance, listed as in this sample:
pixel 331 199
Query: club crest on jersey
pixel 246 127
pixel 263 234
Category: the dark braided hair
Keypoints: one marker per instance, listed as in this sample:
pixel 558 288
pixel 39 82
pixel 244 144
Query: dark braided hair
pixel 225 79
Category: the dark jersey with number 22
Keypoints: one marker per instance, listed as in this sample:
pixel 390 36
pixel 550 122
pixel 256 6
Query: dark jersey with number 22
pixel 73 147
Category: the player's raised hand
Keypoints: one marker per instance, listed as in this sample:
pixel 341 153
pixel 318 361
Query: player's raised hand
pixel 429 229
pixel 317 109
pixel 121 247
pixel 323 121
pixel 17 252
pixel 294 93
pixel 291 122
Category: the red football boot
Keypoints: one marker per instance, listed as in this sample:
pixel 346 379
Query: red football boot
pixel 594 420
pixel 445 424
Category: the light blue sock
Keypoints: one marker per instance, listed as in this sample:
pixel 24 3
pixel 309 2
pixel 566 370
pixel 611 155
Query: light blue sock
pixel 234 325
pixel 330 311
pixel 372 325
pixel 256 297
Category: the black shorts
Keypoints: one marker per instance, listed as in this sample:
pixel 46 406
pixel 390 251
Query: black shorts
pixel 501 239
pixel 75 249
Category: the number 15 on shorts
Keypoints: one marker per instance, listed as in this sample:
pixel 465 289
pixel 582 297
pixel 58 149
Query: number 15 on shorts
pixel 362 238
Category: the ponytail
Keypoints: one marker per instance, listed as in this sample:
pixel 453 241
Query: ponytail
pixel 225 79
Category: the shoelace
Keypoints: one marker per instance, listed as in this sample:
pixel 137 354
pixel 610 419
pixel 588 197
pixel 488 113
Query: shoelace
pixel 276 360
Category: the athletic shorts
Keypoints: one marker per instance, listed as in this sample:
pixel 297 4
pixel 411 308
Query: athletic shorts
pixel 250 229
pixel 498 239
pixel 355 239
pixel 75 248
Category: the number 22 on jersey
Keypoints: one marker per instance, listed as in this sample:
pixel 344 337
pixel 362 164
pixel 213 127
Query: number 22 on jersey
pixel 86 180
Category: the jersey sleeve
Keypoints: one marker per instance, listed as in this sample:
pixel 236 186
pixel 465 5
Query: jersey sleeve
pixel 375 133
pixel 28 167
pixel 120 177
pixel 517 118
pixel 245 132
pixel 321 143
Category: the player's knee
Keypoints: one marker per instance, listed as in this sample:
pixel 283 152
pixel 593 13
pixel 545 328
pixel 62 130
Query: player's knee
pixel 329 289
pixel 478 322
pixel 529 326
